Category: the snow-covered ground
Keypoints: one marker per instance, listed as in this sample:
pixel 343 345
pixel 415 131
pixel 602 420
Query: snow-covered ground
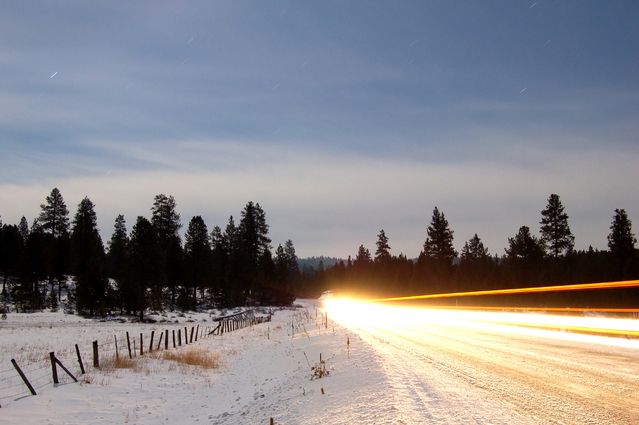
pixel 382 369
pixel 264 372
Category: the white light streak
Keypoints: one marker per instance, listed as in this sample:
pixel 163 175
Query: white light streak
pixel 190 40
pixel 53 74
pixel 523 90
pixel 396 318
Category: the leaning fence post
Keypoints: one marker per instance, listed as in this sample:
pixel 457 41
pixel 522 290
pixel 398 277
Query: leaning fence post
pixel 192 330
pixel 53 367
pixel 186 336
pixel 160 341
pixel 151 344
pixel 64 368
pixel 77 350
pixel 23 376
pixel 117 355
pixel 96 358
pixel 128 343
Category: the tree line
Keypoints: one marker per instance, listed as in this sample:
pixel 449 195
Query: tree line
pixel 152 268
pixel 148 269
pixel 528 261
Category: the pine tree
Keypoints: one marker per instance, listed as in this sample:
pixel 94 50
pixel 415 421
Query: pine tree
pixel 23 228
pixel 54 221
pixel 54 217
pixel 29 294
pixel 524 246
pixel 525 255
pixel 476 266
pixel 11 250
pixel 292 266
pixel 253 232
pixel 165 219
pixel 117 255
pixel 197 250
pixel 382 254
pixel 363 257
pixel 555 232
pixel 230 236
pixel 439 244
pixel 474 250
pixel 253 242
pixel 166 223
pixel 218 265
pixel 87 259
pixel 621 241
pixel 141 267
pixel 231 294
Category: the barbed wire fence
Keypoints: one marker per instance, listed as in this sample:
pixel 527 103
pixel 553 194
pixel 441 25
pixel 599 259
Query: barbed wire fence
pixel 31 374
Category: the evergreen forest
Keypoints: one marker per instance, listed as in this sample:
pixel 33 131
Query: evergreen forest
pixel 153 267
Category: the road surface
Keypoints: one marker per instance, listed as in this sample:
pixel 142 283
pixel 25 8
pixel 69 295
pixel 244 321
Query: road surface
pixel 443 373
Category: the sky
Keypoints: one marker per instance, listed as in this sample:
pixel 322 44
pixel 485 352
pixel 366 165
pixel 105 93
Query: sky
pixel 339 118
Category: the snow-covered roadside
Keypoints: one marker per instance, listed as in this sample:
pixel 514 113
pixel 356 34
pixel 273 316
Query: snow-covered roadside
pixel 265 372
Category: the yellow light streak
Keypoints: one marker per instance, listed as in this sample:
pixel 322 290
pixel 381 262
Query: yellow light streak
pixel 558 288
pixel 396 319
pixel 554 309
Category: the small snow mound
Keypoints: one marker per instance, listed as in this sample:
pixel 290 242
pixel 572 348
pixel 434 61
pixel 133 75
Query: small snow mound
pixel 326 295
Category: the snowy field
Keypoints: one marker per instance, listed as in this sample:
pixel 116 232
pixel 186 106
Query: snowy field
pixel 263 372
pixel 380 371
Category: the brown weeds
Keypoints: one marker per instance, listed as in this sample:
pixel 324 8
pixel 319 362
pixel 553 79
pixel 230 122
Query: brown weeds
pixel 193 357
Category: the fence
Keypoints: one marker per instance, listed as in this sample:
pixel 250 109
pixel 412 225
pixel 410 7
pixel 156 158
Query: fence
pixel 27 379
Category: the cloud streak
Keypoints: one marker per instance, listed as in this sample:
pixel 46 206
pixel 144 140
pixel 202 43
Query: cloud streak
pixel 340 120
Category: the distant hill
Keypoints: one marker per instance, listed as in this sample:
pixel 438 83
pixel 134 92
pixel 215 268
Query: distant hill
pixel 314 262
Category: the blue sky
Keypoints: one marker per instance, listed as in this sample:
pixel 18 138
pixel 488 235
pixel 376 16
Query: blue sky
pixel 339 118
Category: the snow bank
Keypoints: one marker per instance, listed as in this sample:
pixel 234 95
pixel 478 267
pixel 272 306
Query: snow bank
pixel 265 371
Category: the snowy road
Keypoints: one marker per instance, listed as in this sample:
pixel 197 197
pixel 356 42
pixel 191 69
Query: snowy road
pixel 448 373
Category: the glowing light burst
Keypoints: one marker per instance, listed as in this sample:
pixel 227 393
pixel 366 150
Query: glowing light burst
pixel 402 319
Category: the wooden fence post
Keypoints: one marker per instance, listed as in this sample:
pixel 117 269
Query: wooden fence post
pixel 53 367
pixel 128 343
pixel 186 336
pixel 117 355
pixel 192 330
pixel 173 338
pixel 23 376
pixel 96 358
pixel 77 350
pixel 160 340
pixel 166 340
pixel 141 345
pixel 179 337
pixel 64 368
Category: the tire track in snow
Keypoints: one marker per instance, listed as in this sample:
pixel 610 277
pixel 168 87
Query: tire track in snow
pixel 440 371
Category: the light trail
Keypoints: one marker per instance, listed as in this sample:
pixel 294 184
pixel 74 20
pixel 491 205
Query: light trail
pixel 558 288
pixel 508 319
pixel 543 309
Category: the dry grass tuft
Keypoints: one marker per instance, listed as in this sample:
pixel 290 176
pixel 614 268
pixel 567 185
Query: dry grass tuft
pixel 193 357
pixel 109 364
